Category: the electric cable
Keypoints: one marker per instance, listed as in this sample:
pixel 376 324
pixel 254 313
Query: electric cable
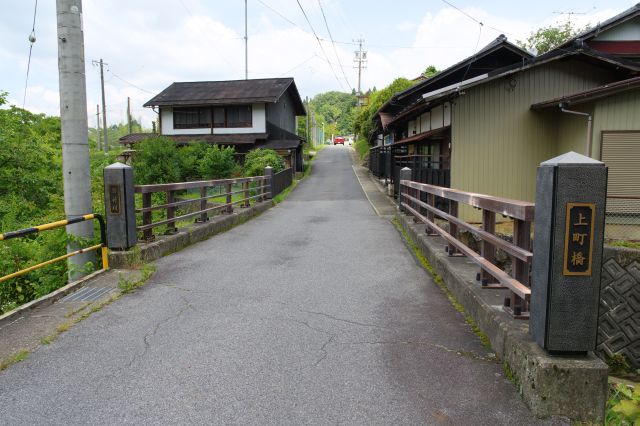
pixel 335 50
pixel 32 39
pixel 320 43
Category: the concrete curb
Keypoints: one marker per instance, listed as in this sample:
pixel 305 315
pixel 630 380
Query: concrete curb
pixel 147 252
pixel 49 298
pixel 574 387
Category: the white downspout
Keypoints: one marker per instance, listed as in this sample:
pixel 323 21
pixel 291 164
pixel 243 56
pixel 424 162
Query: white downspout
pixel 589 125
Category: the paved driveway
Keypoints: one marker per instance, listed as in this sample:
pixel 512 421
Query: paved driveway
pixel 313 313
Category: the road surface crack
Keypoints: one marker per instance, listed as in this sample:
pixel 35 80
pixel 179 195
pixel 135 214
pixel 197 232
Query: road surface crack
pixel 155 330
pixel 462 353
pixel 361 324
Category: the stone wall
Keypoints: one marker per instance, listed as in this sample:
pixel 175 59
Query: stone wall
pixel 619 316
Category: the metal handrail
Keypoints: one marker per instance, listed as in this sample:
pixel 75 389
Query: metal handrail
pixel 58 224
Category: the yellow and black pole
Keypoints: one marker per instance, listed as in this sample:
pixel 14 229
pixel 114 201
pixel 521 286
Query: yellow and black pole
pixel 58 224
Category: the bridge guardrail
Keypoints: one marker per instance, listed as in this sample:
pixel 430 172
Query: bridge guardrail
pixel 491 276
pixel 53 225
pixel 262 185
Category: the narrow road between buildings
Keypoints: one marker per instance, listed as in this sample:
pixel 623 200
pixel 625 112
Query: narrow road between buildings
pixel 313 313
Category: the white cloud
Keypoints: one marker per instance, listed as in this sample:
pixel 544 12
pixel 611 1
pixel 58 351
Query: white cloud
pixel 156 43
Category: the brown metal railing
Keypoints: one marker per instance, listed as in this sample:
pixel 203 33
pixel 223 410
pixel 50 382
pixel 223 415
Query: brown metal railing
pixel 225 188
pixel 491 276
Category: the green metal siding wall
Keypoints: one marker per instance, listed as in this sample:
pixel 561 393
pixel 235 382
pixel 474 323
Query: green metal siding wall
pixel 619 112
pixel 497 141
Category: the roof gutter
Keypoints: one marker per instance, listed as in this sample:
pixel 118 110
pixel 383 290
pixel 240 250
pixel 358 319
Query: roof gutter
pixel 589 125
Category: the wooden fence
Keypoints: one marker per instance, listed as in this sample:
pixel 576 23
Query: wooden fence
pixel 233 192
pixel 490 276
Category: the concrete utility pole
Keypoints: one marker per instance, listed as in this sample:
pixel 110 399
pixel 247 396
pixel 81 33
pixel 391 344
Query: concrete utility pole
pixel 129 113
pixel 74 125
pixel 306 101
pixel 246 44
pixel 360 60
pixel 105 143
pixel 98 127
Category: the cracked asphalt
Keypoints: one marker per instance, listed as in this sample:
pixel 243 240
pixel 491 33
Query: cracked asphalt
pixel 313 313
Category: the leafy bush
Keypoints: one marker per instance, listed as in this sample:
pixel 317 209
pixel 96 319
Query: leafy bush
pixel 190 159
pixel 218 163
pixel 623 406
pixel 156 161
pixel 258 159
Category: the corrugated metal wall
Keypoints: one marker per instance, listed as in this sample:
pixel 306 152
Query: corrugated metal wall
pixel 619 112
pixel 498 141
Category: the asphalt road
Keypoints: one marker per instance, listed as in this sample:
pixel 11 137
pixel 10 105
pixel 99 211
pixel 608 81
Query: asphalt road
pixel 313 313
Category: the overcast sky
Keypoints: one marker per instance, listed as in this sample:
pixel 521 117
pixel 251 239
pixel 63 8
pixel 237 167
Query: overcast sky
pixel 149 44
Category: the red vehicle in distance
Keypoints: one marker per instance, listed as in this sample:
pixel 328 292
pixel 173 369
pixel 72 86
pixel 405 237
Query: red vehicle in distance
pixel 338 140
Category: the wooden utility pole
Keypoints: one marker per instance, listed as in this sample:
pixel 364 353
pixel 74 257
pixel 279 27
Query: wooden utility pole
pixel 74 127
pixel 129 113
pixel 105 144
pixel 98 127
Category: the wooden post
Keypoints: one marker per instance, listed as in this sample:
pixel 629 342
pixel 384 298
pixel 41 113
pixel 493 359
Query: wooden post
pixel 203 204
pixel 487 250
pixel 405 174
pixel 229 196
pixel 453 228
pixel 431 200
pixel 171 213
pixel 147 234
pixel 246 194
pixel 520 268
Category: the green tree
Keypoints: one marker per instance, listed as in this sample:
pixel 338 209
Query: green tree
pixel 218 163
pixel 190 159
pixel 156 161
pixel 256 160
pixel 334 109
pixel 546 38
pixel 430 71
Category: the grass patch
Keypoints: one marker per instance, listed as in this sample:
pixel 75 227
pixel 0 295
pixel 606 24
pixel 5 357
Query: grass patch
pixel 438 280
pixel 48 339
pixel 19 357
pixel 624 243
pixel 129 286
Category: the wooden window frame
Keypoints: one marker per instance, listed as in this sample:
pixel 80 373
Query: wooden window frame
pixel 199 125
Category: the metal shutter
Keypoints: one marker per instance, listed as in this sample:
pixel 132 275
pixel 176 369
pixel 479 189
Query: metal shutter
pixel 621 153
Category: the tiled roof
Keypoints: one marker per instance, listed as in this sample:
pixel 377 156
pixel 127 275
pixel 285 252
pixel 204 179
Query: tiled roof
pixel 227 92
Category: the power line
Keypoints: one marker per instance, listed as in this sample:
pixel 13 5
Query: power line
pixel 320 43
pixel 475 52
pixel 299 65
pixel 473 18
pixel 335 50
pixel 280 15
pixel 32 39
pixel 129 83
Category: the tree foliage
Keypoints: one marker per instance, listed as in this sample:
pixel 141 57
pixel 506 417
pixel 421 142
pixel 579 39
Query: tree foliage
pixel 546 38
pixel 334 109
pixel 257 159
pixel 364 118
pixel 430 71
pixel 156 161
pixel 218 163
pixel 31 193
